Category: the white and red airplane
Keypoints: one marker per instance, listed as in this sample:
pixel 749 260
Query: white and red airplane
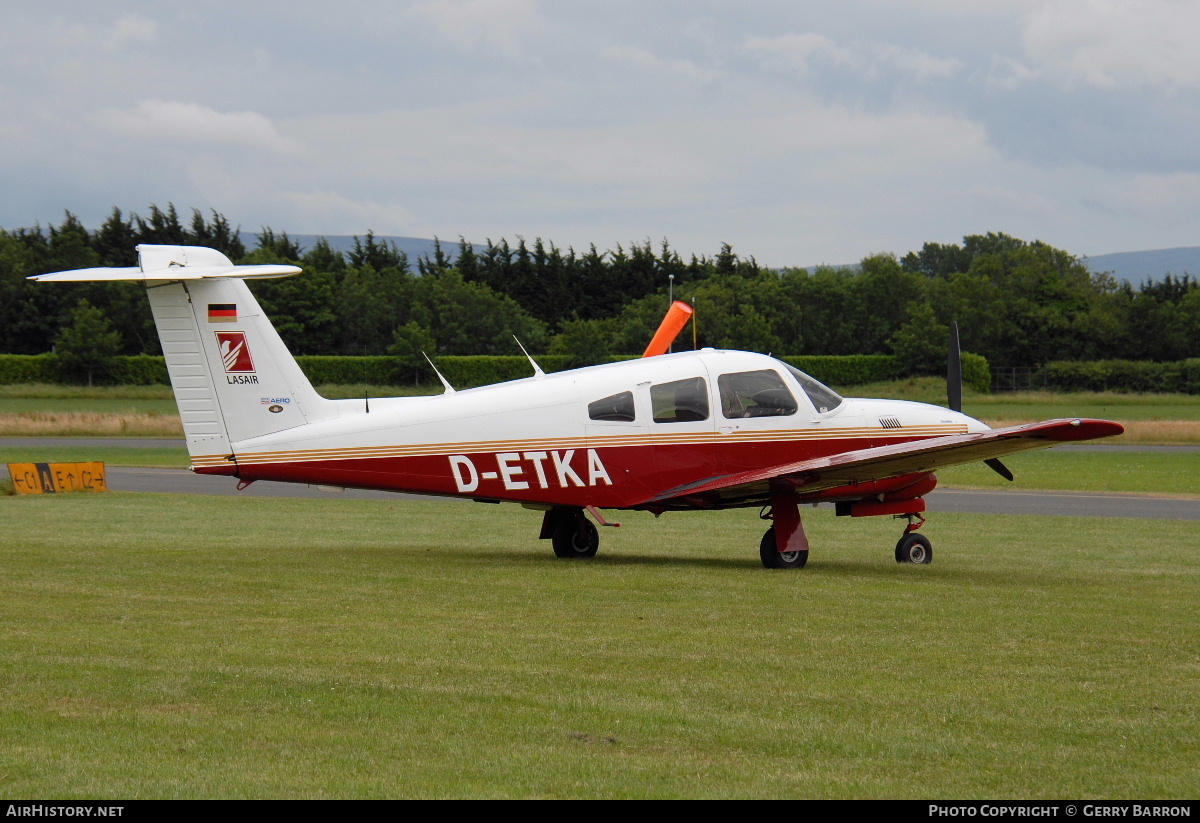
pixel 669 432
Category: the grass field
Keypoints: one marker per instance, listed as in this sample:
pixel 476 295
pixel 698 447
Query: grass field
pixel 1063 470
pixel 1149 419
pixel 121 411
pixel 1040 405
pixel 169 458
pixel 176 646
pixel 149 411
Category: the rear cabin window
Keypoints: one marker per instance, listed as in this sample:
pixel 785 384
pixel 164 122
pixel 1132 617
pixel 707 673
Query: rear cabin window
pixel 755 394
pixel 618 408
pixel 681 401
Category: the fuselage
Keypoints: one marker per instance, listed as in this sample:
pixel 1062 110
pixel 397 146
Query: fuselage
pixel 605 436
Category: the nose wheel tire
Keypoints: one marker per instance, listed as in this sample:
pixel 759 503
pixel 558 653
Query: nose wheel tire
pixel 772 558
pixel 914 548
pixel 576 537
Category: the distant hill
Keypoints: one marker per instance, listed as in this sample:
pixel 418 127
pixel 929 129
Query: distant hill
pixel 1140 266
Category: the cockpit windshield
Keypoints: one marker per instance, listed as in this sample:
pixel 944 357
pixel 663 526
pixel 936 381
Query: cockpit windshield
pixel 823 398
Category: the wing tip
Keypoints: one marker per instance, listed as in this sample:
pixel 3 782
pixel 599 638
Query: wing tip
pixel 1082 428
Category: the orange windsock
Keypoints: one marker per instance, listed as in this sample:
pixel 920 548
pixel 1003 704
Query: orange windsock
pixel 677 317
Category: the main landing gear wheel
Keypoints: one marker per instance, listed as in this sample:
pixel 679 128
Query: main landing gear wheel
pixel 575 537
pixel 773 558
pixel 914 548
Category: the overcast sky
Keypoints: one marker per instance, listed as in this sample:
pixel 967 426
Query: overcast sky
pixel 799 132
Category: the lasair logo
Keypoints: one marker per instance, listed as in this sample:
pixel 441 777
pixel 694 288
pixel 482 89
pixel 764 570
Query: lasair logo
pixel 235 354
pixel 235 357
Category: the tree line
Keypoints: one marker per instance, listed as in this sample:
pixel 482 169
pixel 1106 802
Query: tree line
pixel 1017 303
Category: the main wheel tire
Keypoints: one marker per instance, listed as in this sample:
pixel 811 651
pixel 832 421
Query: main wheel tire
pixel 773 558
pixel 914 548
pixel 575 537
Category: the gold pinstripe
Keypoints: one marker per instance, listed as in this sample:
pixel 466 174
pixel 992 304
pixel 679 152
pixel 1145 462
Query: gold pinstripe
pixel 561 443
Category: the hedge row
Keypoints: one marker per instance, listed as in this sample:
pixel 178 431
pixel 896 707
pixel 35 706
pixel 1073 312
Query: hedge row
pixel 464 372
pixel 126 370
pixel 28 368
pixel 1123 376
pixel 1097 375
pixel 145 369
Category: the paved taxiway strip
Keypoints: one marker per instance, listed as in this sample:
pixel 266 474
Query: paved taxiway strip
pixel 1077 504
pixel 1074 504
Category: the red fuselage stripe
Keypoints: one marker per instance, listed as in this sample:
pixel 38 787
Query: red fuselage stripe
pixel 606 476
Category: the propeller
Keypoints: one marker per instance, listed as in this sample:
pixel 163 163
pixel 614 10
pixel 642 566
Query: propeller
pixel 999 468
pixel 954 393
pixel 954 370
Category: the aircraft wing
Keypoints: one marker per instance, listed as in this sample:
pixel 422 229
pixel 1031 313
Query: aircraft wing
pixel 882 462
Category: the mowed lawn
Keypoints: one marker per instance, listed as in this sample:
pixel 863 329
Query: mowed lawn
pixel 180 646
pixel 1063 469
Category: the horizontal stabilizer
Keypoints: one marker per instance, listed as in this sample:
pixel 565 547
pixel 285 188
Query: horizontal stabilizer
pixel 173 263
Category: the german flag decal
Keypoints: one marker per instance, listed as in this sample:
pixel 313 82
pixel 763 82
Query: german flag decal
pixel 222 312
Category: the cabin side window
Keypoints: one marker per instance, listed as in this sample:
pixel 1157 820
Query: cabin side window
pixel 618 408
pixel 755 394
pixel 681 401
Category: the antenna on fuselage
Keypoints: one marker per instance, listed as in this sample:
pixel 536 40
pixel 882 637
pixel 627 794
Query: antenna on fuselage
pixel 537 370
pixel 449 388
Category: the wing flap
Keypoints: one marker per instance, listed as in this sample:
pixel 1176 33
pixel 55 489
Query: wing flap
pixel 915 456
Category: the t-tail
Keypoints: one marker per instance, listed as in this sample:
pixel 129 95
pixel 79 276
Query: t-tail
pixel 233 377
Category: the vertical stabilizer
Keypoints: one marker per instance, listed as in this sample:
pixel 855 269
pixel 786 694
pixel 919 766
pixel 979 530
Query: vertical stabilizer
pixel 233 377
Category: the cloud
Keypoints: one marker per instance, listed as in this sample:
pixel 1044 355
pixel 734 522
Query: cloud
pixel 500 25
pixel 1161 192
pixel 798 132
pixel 779 183
pixel 1110 44
pixel 129 30
pixel 801 51
pixel 132 29
pixel 640 58
pixel 808 53
pixel 194 123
